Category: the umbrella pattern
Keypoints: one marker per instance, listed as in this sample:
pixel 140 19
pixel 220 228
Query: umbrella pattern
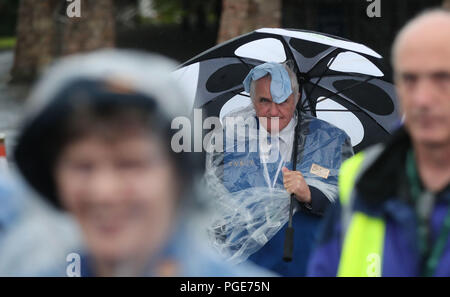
pixel 342 82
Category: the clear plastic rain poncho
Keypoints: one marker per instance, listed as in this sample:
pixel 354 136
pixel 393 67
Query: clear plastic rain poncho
pixel 246 183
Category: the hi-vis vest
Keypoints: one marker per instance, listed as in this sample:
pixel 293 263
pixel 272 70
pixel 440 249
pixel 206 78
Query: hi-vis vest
pixel 363 235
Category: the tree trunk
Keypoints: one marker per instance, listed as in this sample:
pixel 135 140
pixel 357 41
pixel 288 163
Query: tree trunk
pixel 35 32
pixel 94 30
pixel 45 32
pixel 242 16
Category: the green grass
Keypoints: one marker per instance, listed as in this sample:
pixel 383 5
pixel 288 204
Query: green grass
pixel 7 42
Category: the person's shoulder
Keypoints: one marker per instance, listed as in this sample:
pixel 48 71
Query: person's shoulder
pixel 315 124
pixel 203 261
pixel 222 268
pixel 38 241
pixel 219 267
pixel 250 269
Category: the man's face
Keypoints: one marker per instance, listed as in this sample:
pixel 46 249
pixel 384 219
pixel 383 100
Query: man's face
pixel 123 194
pixel 266 108
pixel 423 85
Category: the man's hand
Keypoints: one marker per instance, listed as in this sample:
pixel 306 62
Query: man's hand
pixel 295 183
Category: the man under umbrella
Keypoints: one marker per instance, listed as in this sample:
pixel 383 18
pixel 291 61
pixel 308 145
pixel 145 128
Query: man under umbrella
pixel 252 183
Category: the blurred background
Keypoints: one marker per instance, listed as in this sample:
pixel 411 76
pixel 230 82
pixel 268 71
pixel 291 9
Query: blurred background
pixel 35 33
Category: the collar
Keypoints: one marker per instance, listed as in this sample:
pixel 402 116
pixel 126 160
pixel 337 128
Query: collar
pixel 288 131
pixel 386 176
pixel 286 136
pixel 381 179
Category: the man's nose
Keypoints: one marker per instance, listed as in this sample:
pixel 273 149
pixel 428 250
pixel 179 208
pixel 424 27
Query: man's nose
pixel 274 111
pixel 423 92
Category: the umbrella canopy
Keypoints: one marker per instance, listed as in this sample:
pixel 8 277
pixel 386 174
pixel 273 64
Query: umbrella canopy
pixel 342 82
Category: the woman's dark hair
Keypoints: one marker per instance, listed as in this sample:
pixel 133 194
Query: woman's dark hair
pixel 87 107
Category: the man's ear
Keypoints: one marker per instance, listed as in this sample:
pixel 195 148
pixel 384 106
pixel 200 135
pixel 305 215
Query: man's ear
pixel 297 98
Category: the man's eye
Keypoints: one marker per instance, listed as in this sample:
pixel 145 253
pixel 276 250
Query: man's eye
pixel 263 100
pixel 409 78
pixel 441 77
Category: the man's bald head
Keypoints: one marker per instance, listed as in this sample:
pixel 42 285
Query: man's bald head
pixel 431 25
pixel 421 60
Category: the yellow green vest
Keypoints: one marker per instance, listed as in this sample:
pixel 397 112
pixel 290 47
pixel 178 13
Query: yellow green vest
pixel 363 235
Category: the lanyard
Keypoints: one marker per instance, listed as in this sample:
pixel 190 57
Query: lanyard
pixel 266 171
pixel 432 260
pixel 281 163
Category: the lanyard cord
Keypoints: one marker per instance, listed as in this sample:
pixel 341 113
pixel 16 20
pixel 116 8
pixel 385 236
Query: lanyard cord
pixel 270 183
pixel 423 231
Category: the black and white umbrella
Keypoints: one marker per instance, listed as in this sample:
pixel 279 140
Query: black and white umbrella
pixel 342 82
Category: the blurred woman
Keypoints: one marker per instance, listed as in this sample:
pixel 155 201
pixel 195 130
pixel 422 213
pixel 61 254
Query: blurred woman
pixel 97 144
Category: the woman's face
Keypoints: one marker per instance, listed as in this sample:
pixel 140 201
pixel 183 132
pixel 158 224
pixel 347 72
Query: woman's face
pixel 123 194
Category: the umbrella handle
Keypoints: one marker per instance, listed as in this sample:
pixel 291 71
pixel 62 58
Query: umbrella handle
pixel 288 244
pixel 289 238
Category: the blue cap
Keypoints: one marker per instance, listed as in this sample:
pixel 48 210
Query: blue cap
pixel 280 86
